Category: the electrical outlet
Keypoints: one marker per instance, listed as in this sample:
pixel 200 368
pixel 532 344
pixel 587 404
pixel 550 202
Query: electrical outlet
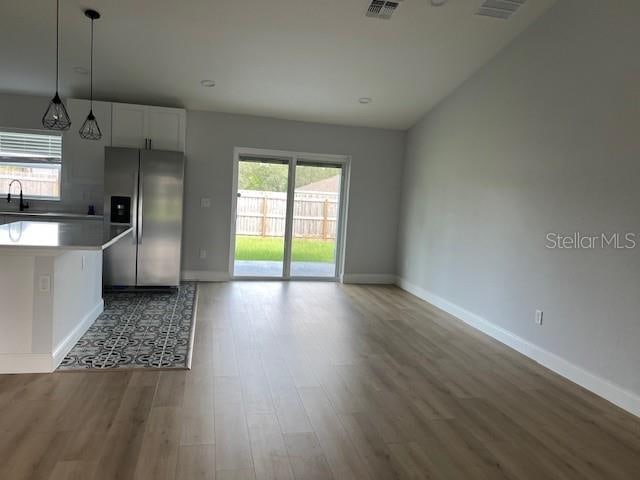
pixel 205 202
pixel 203 253
pixel 538 319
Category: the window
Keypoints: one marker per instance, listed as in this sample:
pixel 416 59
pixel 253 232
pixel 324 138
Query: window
pixel 35 159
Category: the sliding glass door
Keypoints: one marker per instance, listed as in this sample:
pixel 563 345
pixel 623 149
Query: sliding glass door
pixel 288 216
pixel 316 208
pixel 261 208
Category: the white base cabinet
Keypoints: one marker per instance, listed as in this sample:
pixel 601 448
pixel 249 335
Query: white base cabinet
pixel 49 300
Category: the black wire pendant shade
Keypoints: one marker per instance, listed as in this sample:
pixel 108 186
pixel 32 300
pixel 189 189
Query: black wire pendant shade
pixel 90 129
pixel 55 116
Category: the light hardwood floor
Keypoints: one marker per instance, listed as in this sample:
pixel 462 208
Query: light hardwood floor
pixel 317 381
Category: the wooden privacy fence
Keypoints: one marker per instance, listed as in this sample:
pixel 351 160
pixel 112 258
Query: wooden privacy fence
pixel 315 214
pixel 46 185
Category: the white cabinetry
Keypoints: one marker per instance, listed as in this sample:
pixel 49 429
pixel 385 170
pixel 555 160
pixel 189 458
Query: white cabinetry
pixel 142 126
pixel 166 128
pixel 128 125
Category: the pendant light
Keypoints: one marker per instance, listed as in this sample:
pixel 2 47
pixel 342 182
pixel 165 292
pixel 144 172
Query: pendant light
pixel 90 129
pixel 56 116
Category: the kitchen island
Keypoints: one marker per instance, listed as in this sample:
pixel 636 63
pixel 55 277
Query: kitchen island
pixel 50 288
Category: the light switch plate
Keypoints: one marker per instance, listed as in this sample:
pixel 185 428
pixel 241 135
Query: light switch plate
pixel 205 202
pixel 44 283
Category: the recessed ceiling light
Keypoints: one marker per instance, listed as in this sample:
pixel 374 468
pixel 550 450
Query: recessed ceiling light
pixel 438 3
pixel 81 70
pixel 207 83
pixel 365 100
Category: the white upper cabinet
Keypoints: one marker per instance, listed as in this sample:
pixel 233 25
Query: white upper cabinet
pixel 142 126
pixel 128 127
pixel 166 128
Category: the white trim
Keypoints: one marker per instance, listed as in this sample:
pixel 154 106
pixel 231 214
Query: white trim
pixel 234 208
pixel 287 154
pixel 248 278
pixel 65 346
pixel 205 276
pixel 117 237
pixel 343 208
pixel 369 278
pixel 48 362
pixel 25 363
pixel 291 158
pixel 192 333
pixel 288 217
pixel 624 399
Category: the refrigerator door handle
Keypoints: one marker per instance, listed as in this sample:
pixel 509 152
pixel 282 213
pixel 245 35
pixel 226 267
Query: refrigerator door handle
pixel 133 218
pixel 140 200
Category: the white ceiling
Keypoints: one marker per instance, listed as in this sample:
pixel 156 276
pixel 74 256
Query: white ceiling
pixel 296 59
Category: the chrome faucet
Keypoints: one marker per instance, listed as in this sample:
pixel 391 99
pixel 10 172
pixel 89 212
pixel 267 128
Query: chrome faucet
pixel 23 205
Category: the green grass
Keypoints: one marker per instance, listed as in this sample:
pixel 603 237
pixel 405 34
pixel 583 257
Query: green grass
pixel 272 248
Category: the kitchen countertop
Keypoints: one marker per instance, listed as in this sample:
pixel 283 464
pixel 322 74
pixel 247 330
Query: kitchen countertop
pixel 28 213
pixel 72 235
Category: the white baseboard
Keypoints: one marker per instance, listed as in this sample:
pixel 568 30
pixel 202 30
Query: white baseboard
pixel 192 333
pixel 25 363
pixel 214 276
pixel 205 276
pixel 65 346
pixel 624 399
pixel 369 278
pixel 48 362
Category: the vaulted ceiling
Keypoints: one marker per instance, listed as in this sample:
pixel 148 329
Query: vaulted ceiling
pixel 296 59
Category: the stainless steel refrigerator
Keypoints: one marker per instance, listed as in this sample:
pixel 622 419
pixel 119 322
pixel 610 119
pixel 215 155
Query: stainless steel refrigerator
pixel 143 188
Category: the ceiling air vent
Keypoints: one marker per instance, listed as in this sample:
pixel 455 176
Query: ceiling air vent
pixel 502 9
pixel 382 9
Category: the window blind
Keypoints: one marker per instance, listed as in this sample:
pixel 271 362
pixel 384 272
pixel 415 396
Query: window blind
pixel 34 147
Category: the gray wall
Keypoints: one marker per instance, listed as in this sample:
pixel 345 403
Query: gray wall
pixel 376 175
pixel 545 138
pixel 374 191
pixel 83 160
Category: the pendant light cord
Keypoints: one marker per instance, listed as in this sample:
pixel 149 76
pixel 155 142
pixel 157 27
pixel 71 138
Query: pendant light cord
pixel 91 84
pixel 57 42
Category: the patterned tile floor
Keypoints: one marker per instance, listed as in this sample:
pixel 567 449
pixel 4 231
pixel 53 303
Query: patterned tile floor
pixel 138 330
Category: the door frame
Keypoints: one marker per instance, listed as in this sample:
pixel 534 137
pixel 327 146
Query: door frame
pixel 292 158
